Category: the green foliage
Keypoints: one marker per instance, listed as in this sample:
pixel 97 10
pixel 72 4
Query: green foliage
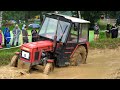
pixel 19 15
pixel 13 26
pixel 102 24
pixel 102 35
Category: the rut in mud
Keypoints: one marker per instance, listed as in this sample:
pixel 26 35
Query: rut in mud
pixel 101 64
pixel 7 72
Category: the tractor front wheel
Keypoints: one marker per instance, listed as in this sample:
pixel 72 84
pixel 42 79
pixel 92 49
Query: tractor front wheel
pixel 79 56
pixel 14 61
pixel 48 68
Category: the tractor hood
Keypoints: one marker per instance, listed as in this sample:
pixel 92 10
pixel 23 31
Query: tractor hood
pixel 38 44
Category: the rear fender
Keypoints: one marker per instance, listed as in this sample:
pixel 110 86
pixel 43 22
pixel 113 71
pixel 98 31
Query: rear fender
pixel 86 45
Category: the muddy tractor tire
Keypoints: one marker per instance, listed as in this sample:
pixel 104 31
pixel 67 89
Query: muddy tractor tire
pixel 79 57
pixel 48 68
pixel 14 61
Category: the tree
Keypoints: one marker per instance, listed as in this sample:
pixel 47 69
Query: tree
pixel 1 18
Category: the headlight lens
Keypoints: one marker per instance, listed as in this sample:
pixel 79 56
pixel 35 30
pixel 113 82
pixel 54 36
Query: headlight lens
pixel 25 55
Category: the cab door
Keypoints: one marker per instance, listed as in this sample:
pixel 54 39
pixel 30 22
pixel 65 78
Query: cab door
pixel 67 48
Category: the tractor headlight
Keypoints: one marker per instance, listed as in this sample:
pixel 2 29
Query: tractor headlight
pixel 25 55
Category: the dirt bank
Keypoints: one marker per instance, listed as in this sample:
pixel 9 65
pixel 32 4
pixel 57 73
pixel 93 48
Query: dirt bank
pixel 101 64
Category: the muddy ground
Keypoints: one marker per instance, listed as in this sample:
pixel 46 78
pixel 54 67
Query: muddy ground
pixel 101 64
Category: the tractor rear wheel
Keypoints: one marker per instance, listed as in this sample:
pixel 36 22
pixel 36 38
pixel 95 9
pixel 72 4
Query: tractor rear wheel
pixel 14 61
pixel 79 56
pixel 48 68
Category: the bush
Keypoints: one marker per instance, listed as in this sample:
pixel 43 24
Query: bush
pixel 102 35
pixel 102 24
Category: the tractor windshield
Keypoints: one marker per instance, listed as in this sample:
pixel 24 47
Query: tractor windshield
pixel 50 26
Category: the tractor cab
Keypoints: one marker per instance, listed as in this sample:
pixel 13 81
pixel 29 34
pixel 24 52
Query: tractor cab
pixel 63 41
pixel 68 32
pixel 64 27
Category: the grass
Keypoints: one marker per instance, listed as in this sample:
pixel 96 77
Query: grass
pixel 106 43
pixel 6 55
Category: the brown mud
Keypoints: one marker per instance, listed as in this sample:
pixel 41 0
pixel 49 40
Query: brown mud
pixel 101 64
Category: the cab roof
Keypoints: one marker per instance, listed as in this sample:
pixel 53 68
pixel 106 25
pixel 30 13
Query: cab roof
pixel 73 19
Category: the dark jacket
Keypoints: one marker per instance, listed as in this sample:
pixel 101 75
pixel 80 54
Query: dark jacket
pixel 25 34
pixel 34 33
pixel 114 32
pixel 96 29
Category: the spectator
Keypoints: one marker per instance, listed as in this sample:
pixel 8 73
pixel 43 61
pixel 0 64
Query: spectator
pixel 16 33
pixel 0 38
pixel 34 35
pixel 4 31
pixel 108 30
pixel 119 31
pixel 23 26
pixel 25 35
pixel 114 31
pixel 7 37
pixel 96 32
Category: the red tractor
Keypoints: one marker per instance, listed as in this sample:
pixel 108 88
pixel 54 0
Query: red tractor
pixel 63 41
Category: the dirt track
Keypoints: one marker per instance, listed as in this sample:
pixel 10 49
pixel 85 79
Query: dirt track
pixel 101 64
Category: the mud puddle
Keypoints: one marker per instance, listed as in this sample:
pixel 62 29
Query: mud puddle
pixel 101 64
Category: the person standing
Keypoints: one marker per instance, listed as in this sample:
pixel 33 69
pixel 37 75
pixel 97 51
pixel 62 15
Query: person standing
pixel 25 35
pixel 7 37
pixel 1 39
pixel 114 31
pixel 16 33
pixel 23 26
pixel 108 30
pixel 34 35
pixel 118 30
pixel 96 32
pixel 4 31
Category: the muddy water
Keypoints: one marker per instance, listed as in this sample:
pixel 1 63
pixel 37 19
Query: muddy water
pixel 101 64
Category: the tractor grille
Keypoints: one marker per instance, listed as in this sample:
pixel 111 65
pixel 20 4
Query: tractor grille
pixel 25 54
pixel 36 55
